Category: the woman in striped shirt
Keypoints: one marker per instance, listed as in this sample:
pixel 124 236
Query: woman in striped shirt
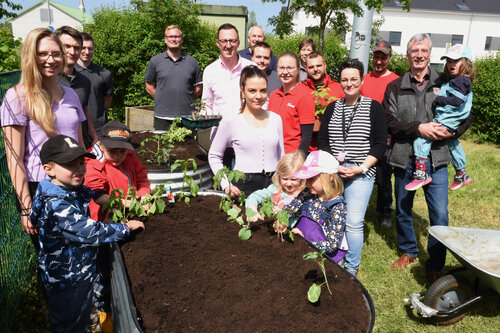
pixel 354 130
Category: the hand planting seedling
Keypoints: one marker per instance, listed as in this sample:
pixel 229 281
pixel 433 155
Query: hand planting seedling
pixel 126 207
pixel 314 291
pixel 193 186
pixel 269 209
pixel 163 143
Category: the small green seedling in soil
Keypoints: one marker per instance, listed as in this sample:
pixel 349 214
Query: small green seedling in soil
pixel 268 209
pixel 164 143
pixel 187 180
pixel 122 214
pixel 314 291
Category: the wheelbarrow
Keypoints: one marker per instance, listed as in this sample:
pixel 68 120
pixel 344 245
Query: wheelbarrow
pixel 448 299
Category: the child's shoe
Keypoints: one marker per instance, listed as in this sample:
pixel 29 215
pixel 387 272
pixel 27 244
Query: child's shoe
pixel 420 178
pixel 459 181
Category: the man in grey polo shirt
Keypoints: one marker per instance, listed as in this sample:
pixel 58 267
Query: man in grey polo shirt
pixel 101 83
pixel 261 55
pixel 173 79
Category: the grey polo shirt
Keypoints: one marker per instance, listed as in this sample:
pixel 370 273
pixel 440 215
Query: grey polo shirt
pixel 273 82
pixel 175 82
pixel 101 85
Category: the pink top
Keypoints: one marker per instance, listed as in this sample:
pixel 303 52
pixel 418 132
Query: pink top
pixel 68 112
pixel 256 149
pixel 221 87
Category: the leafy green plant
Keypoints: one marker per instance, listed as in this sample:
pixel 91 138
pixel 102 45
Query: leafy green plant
pixel 314 291
pixel 122 213
pixel 321 100
pixel 9 49
pixel 268 209
pixel 164 143
pixel 187 180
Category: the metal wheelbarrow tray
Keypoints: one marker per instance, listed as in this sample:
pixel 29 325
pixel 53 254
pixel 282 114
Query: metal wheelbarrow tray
pixel 478 250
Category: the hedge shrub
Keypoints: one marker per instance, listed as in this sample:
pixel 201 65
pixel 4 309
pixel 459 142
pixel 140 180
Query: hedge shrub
pixel 486 101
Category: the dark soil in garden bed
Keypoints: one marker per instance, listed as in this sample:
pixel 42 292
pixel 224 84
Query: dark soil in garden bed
pixel 182 150
pixel 189 271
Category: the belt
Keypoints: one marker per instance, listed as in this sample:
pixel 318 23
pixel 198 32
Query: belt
pixel 264 173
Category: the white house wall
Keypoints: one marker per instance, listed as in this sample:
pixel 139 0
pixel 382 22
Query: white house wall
pixel 30 20
pixel 473 26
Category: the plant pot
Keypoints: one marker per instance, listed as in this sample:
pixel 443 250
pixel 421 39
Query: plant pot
pixel 139 118
pixel 222 273
pixel 201 121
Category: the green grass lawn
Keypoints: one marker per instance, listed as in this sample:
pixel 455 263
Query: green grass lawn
pixel 475 206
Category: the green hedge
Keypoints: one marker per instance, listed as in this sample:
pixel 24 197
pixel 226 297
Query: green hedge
pixel 486 101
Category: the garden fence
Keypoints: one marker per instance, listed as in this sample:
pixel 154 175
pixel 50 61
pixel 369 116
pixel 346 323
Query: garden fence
pixel 16 251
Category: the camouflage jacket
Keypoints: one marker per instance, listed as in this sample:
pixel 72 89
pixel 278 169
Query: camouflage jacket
pixel 68 236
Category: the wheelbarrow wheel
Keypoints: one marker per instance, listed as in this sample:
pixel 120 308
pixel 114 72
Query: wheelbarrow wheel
pixel 447 293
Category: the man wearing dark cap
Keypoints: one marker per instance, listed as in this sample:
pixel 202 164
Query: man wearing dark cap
pixel 374 85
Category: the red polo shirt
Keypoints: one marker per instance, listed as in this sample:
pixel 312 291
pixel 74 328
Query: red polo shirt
pixel 296 108
pixel 374 86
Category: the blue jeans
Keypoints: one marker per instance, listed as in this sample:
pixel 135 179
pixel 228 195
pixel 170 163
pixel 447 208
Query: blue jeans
pixel 436 196
pixel 357 192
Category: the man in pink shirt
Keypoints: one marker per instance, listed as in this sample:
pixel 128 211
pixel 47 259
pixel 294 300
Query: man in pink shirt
pixel 221 79
pixel 374 85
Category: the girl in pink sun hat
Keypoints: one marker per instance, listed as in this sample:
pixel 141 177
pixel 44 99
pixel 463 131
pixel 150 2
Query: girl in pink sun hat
pixel 319 212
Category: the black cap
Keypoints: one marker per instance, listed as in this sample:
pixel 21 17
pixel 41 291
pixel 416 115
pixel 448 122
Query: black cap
pixel 383 46
pixel 116 135
pixel 62 149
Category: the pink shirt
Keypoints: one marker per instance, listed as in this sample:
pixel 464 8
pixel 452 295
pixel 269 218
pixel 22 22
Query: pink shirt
pixel 69 115
pixel 256 149
pixel 221 87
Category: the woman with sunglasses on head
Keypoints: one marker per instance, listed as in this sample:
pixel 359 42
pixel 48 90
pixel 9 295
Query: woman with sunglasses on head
pixel 353 129
pixel 33 111
pixel 255 134
pixel 294 103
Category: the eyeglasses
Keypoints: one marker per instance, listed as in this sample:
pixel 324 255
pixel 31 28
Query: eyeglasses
pixel 225 41
pixel 45 55
pixel 286 69
pixel 173 36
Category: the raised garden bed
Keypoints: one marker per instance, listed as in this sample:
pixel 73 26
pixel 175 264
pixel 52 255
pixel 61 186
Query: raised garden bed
pixel 189 271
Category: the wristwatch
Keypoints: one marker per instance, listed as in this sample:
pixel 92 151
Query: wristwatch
pixel 365 169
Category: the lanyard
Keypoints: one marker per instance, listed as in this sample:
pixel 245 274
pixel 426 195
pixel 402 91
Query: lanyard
pixel 345 131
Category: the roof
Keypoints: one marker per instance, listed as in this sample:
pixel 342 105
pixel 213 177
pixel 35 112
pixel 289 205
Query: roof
pixel 224 10
pixel 468 6
pixel 74 12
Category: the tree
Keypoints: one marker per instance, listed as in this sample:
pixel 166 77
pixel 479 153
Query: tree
pixel 331 13
pixel 9 49
pixel 252 19
pixel 4 12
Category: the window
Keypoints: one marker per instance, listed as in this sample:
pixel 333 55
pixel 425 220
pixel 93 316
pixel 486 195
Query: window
pixel 462 6
pixel 457 39
pixel 44 15
pixel 487 44
pixel 398 3
pixel 395 38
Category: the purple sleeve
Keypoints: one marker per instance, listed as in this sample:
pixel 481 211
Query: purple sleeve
pixel 11 110
pixel 221 141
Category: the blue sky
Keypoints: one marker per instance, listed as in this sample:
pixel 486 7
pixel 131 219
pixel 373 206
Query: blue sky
pixel 262 11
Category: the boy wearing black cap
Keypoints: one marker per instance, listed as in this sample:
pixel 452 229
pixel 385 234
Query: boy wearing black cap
pixel 115 167
pixel 68 236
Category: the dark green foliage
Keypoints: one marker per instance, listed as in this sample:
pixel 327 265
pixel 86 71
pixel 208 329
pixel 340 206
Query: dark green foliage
pixel 334 52
pixel 398 64
pixel 486 102
pixel 9 49
pixel 127 38
pixel 5 8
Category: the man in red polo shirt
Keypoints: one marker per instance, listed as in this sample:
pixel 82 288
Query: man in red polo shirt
pixel 374 85
pixel 317 79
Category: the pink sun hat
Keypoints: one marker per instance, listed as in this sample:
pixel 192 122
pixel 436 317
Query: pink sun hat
pixel 317 162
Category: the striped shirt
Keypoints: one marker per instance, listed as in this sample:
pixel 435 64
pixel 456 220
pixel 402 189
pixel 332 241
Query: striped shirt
pixel 365 131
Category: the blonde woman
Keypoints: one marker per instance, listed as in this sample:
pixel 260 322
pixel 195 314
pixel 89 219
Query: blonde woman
pixel 33 111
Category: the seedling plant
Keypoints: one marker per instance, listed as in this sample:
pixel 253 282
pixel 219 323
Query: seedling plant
pixel 136 207
pixel 186 180
pixel 268 209
pixel 164 142
pixel 322 99
pixel 314 291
